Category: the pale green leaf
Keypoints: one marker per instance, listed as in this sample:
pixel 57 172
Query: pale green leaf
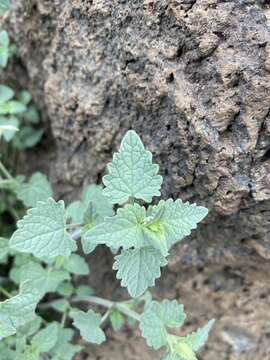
pixel 4 44
pixel 65 289
pixel 6 93
pixel 31 327
pixel 77 265
pixel 24 97
pixel 8 127
pixel 60 305
pixel 89 325
pixel 63 350
pixel 177 219
pixel 18 310
pixel 132 173
pixel 4 6
pixel 44 280
pixel 42 231
pixel 125 229
pixel 198 338
pixel 101 207
pixel 27 137
pixel 37 189
pixel 138 269
pixel 46 338
pixel 184 352
pixel 157 317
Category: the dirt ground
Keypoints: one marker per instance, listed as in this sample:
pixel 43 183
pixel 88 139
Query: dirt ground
pixel 237 297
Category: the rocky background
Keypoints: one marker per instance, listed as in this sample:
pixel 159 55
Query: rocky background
pixel 193 79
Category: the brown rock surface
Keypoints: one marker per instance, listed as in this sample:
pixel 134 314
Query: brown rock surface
pixel 193 79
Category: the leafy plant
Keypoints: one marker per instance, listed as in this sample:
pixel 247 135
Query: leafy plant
pixel 44 261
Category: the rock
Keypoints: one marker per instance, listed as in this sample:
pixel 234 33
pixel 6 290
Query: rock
pixel 191 77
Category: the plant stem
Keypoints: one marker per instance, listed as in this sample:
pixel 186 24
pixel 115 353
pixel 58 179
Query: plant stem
pixel 63 320
pixel 105 316
pixel 5 171
pixel 5 292
pixel 108 304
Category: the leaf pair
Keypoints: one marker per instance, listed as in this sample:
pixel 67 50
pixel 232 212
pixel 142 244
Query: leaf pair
pixel 158 317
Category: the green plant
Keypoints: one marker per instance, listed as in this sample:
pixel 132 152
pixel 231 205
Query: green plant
pixel 44 246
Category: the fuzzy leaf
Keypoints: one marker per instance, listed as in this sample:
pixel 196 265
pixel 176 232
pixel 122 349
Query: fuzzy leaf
pixel 41 279
pixel 89 326
pixel 177 219
pixel 101 207
pixel 198 338
pixel 122 230
pixel 46 338
pixel 77 265
pixel 37 189
pixel 132 173
pixel 6 93
pixel 42 231
pixel 138 269
pixel 18 310
pixel 156 317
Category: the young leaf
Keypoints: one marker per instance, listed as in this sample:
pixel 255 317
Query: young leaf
pixel 42 231
pixel 92 194
pixel 117 319
pixel 18 310
pixel 183 351
pixel 77 265
pixel 132 173
pixel 177 219
pixel 138 269
pixel 46 338
pixel 156 317
pixel 89 325
pixel 122 230
pixel 37 189
pixel 42 280
pixel 6 93
pixel 198 338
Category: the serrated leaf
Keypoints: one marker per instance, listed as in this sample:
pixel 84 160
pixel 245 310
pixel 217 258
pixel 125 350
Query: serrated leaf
pixel 63 350
pixel 77 265
pixel 198 338
pixel 42 279
pixel 18 310
pixel 42 231
pixel 157 317
pixel 132 173
pixel 46 338
pixel 138 269
pixel 92 194
pixel 125 229
pixel 88 325
pixel 177 219
pixel 117 319
pixel 37 189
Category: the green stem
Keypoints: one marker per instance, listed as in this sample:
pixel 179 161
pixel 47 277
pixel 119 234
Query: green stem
pixel 109 304
pixel 63 320
pixel 5 292
pixel 5 171
pixel 105 316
